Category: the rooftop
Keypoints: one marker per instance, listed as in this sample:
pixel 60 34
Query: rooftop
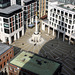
pixel 68 6
pixel 10 9
pixel 35 63
pixel 3 48
pixel 27 1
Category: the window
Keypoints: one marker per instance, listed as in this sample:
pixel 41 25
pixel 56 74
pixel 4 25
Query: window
pixel 65 30
pixel 3 57
pixel 0 59
pixel 10 52
pixel 62 13
pixel 69 26
pixel 72 27
pixel 6 31
pixel 67 20
pixel 69 31
pixel 4 63
pixel 70 21
pixel 7 60
pixel 0 66
pixel 65 25
pixel 6 25
pixel 70 16
pixel 5 20
pixel 7 54
pixel 10 57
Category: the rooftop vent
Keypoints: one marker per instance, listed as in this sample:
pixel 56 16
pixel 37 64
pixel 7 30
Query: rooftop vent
pixel 23 60
pixel 68 7
pixel 45 62
pixel 30 57
pixel 25 55
pixel 39 62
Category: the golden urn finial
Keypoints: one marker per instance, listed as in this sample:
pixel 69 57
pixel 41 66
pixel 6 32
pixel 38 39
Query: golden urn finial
pixel 36 13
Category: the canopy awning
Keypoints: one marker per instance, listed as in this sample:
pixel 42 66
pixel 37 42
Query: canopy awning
pixel 43 17
pixel 37 21
pixel 30 25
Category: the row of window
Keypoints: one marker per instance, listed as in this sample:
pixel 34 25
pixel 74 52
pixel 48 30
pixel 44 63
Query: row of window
pixel 4 56
pixel 62 28
pixel 4 63
pixel 12 24
pixel 12 29
pixel 62 13
pixel 61 21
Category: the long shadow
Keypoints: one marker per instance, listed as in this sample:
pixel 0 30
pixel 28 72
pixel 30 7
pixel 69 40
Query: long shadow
pixel 59 51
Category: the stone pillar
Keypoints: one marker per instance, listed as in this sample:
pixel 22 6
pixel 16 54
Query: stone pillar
pixel 69 39
pixel 22 32
pixel 43 26
pixel 63 36
pixel 27 24
pixel 15 37
pixel 10 40
pixel 30 21
pixel 53 31
pixel 58 34
pixel 18 35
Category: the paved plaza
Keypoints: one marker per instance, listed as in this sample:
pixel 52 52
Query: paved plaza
pixel 51 48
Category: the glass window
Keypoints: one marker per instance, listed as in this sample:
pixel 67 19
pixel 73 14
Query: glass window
pixel 6 25
pixel 6 31
pixel 5 20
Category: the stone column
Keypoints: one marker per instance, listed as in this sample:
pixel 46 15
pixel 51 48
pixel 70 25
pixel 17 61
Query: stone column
pixel 53 31
pixel 22 32
pixel 69 39
pixel 10 40
pixel 18 35
pixel 15 37
pixel 63 36
pixel 58 34
pixel 43 26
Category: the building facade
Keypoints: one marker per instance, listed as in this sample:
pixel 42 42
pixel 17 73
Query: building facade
pixel 6 53
pixel 42 8
pixel 28 63
pixel 29 9
pixel 11 23
pixel 61 17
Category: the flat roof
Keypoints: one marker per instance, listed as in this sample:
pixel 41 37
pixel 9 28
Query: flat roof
pixel 34 63
pixel 68 6
pixel 3 48
pixel 10 9
pixel 27 1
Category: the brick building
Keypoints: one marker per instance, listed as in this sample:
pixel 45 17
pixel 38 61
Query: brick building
pixel 28 63
pixel 6 53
